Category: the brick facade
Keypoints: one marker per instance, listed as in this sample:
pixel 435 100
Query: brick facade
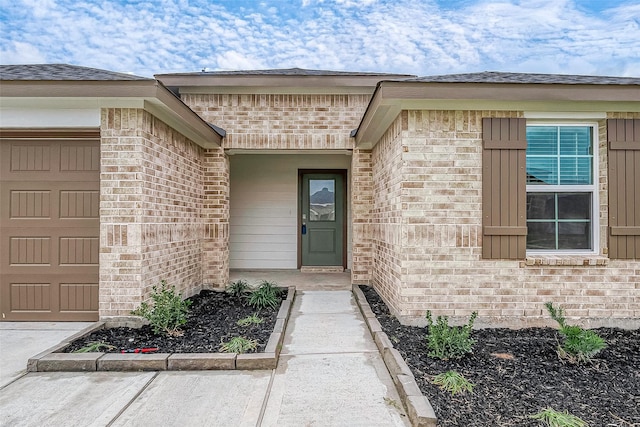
pixel 415 212
pixel 152 194
pixel 361 220
pixel 215 247
pixel 428 235
pixel 280 121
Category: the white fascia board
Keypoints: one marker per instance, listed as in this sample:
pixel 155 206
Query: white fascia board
pixel 58 112
pixel 49 118
pixel 270 90
pixel 566 115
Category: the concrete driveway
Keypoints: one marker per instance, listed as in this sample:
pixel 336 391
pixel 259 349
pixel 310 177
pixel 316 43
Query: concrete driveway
pixel 21 340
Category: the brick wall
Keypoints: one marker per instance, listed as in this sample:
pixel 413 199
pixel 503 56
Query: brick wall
pixel 389 187
pixel 361 216
pixel 151 206
pixel 436 242
pixel 215 257
pixel 278 121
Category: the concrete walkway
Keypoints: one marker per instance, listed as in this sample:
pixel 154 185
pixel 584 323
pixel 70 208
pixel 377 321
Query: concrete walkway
pixel 330 374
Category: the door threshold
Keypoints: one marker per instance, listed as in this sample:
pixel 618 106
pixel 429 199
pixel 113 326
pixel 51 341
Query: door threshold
pixel 322 269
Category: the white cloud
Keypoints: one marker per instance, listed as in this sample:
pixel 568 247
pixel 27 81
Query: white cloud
pixel 402 36
pixel 21 53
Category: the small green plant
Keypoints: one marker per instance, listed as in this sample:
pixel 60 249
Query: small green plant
pixel 553 418
pixel 168 312
pixel 95 346
pixel 250 320
pixel 453 382
pixel 267 295
pixel 449 342
pixel 579 345
pixel 238 345
pixel 238 289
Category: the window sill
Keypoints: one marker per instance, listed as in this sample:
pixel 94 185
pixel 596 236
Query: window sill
pixel 565 260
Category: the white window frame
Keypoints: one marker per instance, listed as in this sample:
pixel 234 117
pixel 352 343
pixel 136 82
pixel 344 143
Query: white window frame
pixel 593 189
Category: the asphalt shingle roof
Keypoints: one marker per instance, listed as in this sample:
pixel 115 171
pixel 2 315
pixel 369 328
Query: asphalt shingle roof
pixel 526 78
pixel 287 72
pixel 61 72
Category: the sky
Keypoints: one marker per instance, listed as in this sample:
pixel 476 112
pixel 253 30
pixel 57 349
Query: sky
pixel 419 37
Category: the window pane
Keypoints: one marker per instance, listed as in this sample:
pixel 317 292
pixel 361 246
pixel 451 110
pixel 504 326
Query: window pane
pixel 542 170
pixel 541 206
pixel 542 140
pixel 575 171
pixel 541 235
pixel 575 140
pixel 559 221
pixel 322 202
pixel 574 206
pixel 574 235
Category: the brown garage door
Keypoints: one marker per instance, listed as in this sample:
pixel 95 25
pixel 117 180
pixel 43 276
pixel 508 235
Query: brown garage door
pixel 49 226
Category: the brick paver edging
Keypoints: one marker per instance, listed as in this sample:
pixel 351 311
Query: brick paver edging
pixel 49 360
pixel 418 408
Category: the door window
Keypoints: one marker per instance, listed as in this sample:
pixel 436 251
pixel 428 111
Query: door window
pixel 322 200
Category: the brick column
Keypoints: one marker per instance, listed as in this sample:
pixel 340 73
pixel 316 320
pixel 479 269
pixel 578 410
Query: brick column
pixel 361 205
pixel 215 248
pixel 120 212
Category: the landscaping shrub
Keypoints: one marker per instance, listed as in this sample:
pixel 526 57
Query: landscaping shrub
pixel 168 312
pixel 553 418
pixel 579 345
pixel 449 342
pixel 250 320
pixel 267 295
pixel 453 382
pixel 238 345
pixel 238 289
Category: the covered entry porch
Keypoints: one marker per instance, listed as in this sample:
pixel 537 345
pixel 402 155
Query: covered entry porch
pixel 275 211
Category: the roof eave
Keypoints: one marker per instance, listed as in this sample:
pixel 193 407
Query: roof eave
pixel 276 81
pixel 391 97
pixel 158 100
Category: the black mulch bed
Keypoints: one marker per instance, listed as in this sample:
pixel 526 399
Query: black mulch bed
pixel 211 320
pixel 507 391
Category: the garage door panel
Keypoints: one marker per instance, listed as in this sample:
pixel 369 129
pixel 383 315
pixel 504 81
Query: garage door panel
pixel 77 204
pixel 29 251
pixel 79 157
pixel 31 156
pixel 30 297
pixel 49 228
pixel 79 251
pixel 60 247
pixel 78 297
pixel 53 204
pixel 65 297
pixel 30 204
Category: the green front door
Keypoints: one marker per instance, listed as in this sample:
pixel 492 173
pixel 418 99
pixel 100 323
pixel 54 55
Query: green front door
pixel 322 219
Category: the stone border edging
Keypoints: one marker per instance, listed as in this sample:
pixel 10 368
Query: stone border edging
pixel 418 408
pixel 49 360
